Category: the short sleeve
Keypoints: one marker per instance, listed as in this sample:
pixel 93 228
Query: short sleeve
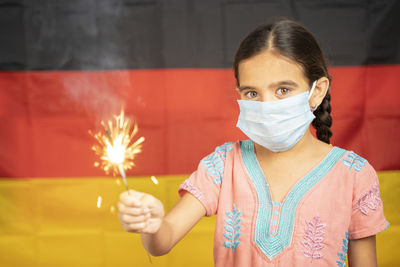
pixel 205 182
pixel 367 217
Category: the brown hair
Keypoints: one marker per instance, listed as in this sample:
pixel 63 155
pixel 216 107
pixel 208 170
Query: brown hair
pixel 292 40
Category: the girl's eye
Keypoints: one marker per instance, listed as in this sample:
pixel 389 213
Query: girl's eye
pixel 282 91
pixel 251 94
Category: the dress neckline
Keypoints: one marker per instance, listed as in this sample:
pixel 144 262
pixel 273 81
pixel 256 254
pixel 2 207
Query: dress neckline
pixel 280 203
pixel 273 239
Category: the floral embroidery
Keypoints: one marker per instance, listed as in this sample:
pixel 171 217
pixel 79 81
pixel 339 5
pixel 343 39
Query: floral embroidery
pixel 342 255
pixel 188 186
pixel 232 228
pixel 354 160
pixel 215 162
pixel 313 238
pixel 371 200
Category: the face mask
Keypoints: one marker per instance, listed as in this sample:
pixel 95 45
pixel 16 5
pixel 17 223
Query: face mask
pixel 276 125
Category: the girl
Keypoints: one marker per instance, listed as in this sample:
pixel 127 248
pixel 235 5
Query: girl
pixel 282 198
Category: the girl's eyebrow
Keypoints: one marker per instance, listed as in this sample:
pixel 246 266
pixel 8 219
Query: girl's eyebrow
pixel 280 83
pixel 246 87
pixel 285 82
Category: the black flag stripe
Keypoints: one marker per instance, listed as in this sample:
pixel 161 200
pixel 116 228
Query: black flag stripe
pixel 118 34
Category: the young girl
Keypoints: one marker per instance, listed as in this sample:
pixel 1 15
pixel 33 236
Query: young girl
pixel 282 198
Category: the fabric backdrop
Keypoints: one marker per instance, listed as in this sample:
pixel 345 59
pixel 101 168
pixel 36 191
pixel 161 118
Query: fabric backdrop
pixel 67 65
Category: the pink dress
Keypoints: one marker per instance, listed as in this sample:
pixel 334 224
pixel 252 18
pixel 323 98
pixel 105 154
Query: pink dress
pixel 336 201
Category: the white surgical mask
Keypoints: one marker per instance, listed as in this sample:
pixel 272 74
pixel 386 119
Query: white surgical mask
pixel 276 125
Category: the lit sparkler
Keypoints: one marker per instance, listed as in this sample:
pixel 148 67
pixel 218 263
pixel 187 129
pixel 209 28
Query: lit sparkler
pixel 115 147
pixel 116 150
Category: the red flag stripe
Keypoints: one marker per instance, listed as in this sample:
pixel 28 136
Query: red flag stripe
pixel 183 113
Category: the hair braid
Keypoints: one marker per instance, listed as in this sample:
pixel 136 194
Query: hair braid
pixel 323 119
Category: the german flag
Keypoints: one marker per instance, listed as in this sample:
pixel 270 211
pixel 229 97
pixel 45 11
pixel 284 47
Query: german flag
pixel 67 65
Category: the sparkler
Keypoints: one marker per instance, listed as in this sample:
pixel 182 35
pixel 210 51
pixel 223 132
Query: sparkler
pixel 115 147
pixel 116 150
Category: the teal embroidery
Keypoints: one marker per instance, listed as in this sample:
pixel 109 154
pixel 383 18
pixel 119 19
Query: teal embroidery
pixel 232 228
pixel 342 255
pixel 386 227
pixel 276 203
pixel 215 162
pixel 354 160
pixel 273 245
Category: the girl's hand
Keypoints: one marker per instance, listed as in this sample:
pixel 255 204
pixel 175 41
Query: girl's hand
pixel 140 212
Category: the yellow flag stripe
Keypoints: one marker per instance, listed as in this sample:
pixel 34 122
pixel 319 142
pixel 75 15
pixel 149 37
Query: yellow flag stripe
pixel 73 222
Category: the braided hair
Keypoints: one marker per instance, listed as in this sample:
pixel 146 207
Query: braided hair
pixel 323 120
pixel 292 40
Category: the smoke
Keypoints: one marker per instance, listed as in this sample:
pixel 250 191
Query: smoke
pixel 98 95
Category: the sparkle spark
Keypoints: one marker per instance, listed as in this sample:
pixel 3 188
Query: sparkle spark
pixel 115 147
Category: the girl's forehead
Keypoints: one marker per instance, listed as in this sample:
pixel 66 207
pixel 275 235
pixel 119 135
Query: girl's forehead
pixel 268 68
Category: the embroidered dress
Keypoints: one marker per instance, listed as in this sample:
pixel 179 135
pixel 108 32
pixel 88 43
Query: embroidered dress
pixel 336 201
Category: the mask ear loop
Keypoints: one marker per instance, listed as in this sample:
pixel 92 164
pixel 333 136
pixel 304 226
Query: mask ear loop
pixel 310 94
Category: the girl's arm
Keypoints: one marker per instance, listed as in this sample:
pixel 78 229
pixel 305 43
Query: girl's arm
pixel 176 224
pixel 362 252
pixel 142 213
